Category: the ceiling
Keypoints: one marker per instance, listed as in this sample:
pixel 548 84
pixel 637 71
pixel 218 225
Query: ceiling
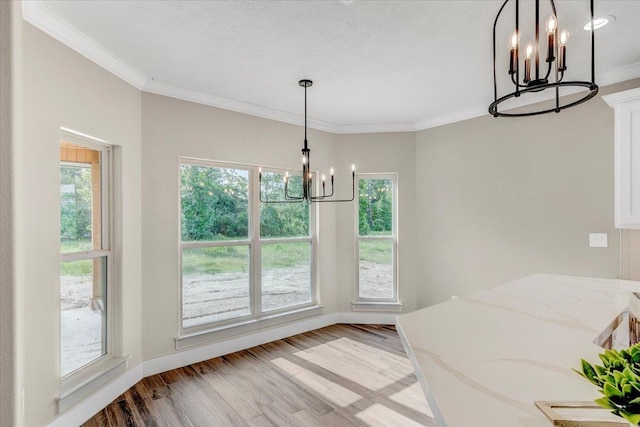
pixel 376 65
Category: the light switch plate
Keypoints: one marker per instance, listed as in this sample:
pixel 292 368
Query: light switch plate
pixel 598 240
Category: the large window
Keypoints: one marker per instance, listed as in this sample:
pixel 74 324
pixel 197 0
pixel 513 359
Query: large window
pixel 376 238
pixel 85 253
pixel 241 258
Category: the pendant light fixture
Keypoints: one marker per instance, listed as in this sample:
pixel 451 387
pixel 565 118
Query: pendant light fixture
pixel 308 194
pixel 530 75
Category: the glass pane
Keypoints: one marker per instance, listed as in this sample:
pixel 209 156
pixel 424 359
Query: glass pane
pixel 83 318
pixel 215 203
pixel 286 274
pixel 282 219
pixel 375 204
pixel 215 284
pixel 376 269
pixel 80 203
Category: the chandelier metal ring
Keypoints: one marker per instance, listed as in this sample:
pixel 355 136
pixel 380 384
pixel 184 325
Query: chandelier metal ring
pixel 533 78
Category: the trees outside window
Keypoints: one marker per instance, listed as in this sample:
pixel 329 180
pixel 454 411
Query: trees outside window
pixel 376 237
pixel 85 247
pixel 241 258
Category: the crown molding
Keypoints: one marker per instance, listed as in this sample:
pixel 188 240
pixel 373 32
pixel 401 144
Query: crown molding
pixel 376 128
pixel 620 74
pixel 36 14
pixel 153 86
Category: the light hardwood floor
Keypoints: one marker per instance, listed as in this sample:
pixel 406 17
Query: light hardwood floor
pixel 341 375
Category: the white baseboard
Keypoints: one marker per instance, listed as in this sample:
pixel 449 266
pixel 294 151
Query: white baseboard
pixel 88 407
pixel 368 317
pixel 219 348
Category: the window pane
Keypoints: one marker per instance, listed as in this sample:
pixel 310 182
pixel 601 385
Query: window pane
pixel 282 219
pixel 375 207
pixel 80 203
pixel 215 284
pixel 286 274
pixel 215 203
pixel 376 268
pixel 83 318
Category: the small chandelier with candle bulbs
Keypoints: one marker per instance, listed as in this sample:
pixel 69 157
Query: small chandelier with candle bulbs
pixel 536 74
pixel 308 193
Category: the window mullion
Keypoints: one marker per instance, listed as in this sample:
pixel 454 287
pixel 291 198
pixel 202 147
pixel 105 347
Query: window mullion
pixel 256 261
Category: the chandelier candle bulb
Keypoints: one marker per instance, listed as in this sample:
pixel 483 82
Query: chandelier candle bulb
pixel 513 54
pixel 527 63
pixel 551 35
pixel 562 61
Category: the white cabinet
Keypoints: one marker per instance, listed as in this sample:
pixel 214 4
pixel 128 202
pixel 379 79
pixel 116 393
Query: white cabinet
pixel 627 157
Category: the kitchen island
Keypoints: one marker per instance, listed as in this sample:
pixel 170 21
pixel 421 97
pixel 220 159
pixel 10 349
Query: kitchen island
pixel 483 360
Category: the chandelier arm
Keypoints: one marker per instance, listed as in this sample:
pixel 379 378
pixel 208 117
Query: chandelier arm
pixel 353 194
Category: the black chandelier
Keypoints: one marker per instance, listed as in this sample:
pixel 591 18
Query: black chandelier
pixel 556 65
pixel 308 194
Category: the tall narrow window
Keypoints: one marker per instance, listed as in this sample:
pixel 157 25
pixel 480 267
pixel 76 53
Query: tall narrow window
pixel 241 258
pixel 216 260
pixel 85 253
pixel 376 238
pixel 286 245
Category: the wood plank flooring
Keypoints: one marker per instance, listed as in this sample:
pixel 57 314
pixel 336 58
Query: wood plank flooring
pixel 341 375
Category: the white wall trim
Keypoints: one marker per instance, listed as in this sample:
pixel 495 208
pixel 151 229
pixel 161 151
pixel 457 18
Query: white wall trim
pixel 88 407
pixel 153 86
pixel 219 348
pixel 36 14
pixel 85 409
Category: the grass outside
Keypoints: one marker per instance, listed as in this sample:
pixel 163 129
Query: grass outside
pixel 376 251
pixel 76 268
pixel 229 259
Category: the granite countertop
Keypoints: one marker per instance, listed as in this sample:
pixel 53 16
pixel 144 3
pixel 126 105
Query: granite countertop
pixel 484 359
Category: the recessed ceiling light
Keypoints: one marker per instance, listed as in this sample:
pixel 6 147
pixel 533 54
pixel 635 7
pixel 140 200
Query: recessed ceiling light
pixel 600 22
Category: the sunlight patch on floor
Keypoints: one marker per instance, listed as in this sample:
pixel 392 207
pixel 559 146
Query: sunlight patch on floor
pixel 365 365
pixel 412 397
pixel 379 415
pixel 329 390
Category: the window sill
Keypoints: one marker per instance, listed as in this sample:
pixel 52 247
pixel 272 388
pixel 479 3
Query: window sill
pixel 380 306
pixel 80 386
pixel 233 330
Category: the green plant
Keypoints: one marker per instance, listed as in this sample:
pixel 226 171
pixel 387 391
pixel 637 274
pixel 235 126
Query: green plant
pixel 619 381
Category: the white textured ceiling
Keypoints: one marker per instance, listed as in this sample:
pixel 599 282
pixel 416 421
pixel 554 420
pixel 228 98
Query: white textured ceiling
pixel 376 65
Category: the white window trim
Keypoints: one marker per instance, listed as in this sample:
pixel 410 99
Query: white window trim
pixel 377 304
pixel 256 319
pixel 81 382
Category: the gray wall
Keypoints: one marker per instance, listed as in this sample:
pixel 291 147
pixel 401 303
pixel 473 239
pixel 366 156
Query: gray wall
pixel 501 198
pixel 60 88
pixel 379 153
pixel 7 129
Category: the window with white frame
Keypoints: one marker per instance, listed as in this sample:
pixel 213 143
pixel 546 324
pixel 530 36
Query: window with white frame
pixel 241 258
pixel 376 232
pixel 86 257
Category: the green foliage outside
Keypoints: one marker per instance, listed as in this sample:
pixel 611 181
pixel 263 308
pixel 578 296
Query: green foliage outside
pixel 282 219
pixel 618 379
pixel 375 207
pixel 75 207
pixel 214 203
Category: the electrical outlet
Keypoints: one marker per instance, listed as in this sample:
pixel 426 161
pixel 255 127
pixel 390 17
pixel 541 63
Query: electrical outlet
pixel 598 240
